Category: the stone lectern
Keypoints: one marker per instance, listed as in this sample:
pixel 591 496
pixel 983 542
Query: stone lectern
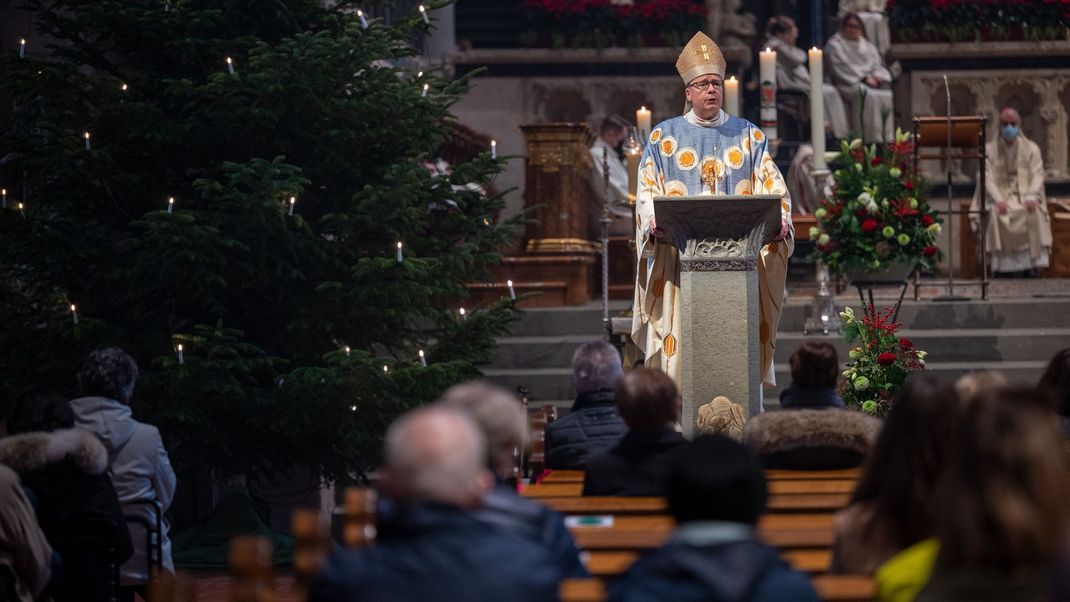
pixel 719 238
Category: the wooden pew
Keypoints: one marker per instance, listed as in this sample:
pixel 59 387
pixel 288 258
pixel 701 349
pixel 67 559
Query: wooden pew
pixel 834 588
pixel 564 476
pixel 846 474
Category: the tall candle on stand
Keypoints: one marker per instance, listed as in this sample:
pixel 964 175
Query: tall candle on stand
pixel 731 96
pixel 633 155
pixel 767 77
pixel 817 107
pixel 642 119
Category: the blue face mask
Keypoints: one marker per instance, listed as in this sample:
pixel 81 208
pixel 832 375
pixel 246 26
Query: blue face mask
pixel 1009 132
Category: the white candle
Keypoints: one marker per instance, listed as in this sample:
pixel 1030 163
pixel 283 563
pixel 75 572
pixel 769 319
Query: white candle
pixel 493 149
pixel 181 357
pixel 425 91
pixel 3 195
pixel 74 313
pixel 731 96
pixel 170 204
pixel 87 145
pixel 293 201
pixel 767 77
pixel 22 48
pixel 347 350
pixel 363 21
pixel 230 65
pixel 463 316
pixel 512 291
pixel 20 207
pixel 642 119
pixel 386 369
pixel 423 15
pixel 633 156
pixel 817 107
pixel 401 256
pixel 423 360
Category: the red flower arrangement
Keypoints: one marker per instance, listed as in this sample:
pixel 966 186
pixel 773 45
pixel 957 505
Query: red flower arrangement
pixel 977 20
pixel 880 362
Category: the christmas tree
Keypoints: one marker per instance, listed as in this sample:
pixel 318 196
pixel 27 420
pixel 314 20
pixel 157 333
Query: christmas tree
pixel 235 177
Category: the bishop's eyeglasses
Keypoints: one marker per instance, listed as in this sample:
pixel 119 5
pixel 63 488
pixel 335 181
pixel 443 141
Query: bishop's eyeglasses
pixel 704 85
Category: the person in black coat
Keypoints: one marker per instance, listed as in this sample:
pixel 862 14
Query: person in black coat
pixel 716 493
pixel 815 369
pixel 435 548
pixel 65 470
pixel 593 424
pixel 648 402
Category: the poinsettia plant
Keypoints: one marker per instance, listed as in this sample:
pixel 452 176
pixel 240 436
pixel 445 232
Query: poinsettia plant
pixel 878 215
pixel 880 361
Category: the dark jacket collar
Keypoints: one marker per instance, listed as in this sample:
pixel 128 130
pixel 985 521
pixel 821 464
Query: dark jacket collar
pixel 800 397
pixel 592 399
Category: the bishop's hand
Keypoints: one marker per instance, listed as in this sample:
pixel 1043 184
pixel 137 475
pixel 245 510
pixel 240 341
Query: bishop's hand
pixel 655 231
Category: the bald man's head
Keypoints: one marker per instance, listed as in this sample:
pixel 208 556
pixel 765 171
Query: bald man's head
pixel 437 454
pixel 1009 115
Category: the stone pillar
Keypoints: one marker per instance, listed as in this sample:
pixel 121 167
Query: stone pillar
pixel 719 241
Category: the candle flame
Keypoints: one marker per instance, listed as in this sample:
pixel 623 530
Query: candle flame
pixel 421 353
pixel 73 308
pixel 732 79
pixel 293 200
pixel 360 13
pixel 352 408
pixel 124 87
pixel 3 191
pixel 229 61
pixel 86 135
pixel 422 9
pixel 642 108
pixel 347 349
pixel 509 283
pixel 399 244
pixel 20 206
pixel 170 200
pixel 419 74
pixel 180 346
pixel 386 369
pixel 462 311
pixel 767 49
pixel 426 87
pixel 22 41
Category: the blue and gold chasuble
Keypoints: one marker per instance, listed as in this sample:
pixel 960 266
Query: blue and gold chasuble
pixel 684 157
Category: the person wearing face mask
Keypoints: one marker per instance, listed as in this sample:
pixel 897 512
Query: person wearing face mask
pixel 703 152
pixel 1018 235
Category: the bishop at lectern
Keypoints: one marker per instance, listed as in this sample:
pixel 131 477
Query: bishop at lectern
pixel 704 152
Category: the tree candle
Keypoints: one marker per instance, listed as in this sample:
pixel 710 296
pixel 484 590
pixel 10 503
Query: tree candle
pixel 87 145
pixel 170 204
pixel 293 201
pixel 74 313
pixel 423 15
pixel 401 255
pixel 423 360
pixel 22 48
pixel 363 21
pixel 493 149
pixel 230 65
pixel 181 357
pixel 512 291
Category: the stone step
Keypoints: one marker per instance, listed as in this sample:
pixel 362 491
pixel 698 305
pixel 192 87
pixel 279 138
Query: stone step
pixel 538 352
pixel 957 345
pixel 996 313
pixel 543 384
pixel 565 321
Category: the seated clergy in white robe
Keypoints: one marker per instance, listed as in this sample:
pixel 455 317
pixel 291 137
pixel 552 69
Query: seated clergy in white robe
pixel 793 71
pixel 862 79
pixel 873 18
pixel 680 150
pixel 1019 227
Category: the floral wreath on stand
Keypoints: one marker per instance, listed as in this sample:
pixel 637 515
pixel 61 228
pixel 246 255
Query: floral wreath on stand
pixel 877 215
pixel 880 361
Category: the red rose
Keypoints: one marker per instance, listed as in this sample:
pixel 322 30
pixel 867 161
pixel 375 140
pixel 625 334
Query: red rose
pixel 905 344
pixel 869 225
pixel 929 251
pixel 927 220
pixel 875 161
pixel 909 185
pixel 886 359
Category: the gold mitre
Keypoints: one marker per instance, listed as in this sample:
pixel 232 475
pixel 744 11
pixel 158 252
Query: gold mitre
pixel 701 56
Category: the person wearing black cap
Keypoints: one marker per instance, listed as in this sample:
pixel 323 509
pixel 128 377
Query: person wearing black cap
pixel 716 492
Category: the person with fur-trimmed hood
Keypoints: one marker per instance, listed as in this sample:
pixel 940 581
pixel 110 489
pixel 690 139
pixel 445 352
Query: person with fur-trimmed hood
pixel 65 470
